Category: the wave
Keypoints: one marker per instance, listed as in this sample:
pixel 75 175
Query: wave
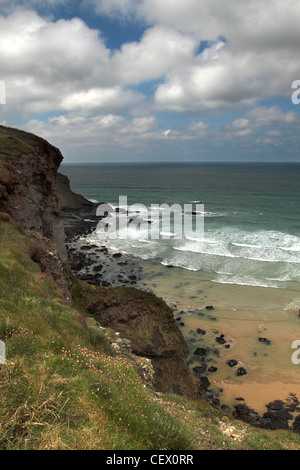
pixel 230 255
pixel 295 248
pixel 251 282
pixel 246 245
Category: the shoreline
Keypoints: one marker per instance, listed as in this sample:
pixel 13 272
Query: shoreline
pixel 240 317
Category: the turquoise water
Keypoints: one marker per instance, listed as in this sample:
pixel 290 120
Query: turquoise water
pixel 251 223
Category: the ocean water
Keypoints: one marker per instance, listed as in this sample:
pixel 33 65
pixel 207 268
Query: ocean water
pixel 251 217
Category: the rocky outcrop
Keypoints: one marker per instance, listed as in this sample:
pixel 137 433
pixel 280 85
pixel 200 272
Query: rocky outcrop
pixel 28 192
pixel 148 323
pixel 77 213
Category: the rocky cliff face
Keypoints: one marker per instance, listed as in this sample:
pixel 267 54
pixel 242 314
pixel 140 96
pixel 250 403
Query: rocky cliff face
pixel 77 213
pixel 41 201
pixel 28 191
pixel 150 326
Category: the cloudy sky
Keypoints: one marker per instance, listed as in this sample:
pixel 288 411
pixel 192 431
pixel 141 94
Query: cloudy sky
pixel 154 80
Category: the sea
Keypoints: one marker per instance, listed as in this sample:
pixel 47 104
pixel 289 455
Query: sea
pixel 250 214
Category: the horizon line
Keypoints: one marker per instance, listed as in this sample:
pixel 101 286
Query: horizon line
pixel 184 163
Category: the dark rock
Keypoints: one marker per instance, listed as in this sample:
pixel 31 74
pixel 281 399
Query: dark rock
pixel 296 424
pixel 226 408
pixel 148 323
pixel 204 384
pixel 201 351
pixel 246 414
pixel 275 405
pixel 265 341
pixel 209 307
pixel 199 370
pixel 98 268
pixel 231 362
pixel 276 419
pixel 215 402
pixel 221 339
pixel 200 332
pixel 241 371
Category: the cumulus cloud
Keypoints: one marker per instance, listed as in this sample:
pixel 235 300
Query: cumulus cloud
pixel 159 51
pixel 73 133
pixel 259 60
pixel 272 23
pixel 261 125
pixel 63 65
pixel 198 58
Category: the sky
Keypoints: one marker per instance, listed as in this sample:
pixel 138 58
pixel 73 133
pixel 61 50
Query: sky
pixel 154 80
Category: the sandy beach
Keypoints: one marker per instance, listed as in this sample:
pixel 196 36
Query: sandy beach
pixel 242 314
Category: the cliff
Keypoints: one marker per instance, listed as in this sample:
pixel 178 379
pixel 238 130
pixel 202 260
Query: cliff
pixel 40 200
pixel 28 190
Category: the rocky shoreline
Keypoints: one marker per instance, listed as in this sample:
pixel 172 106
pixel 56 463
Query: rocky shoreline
pixel 40 202
pixel 98 266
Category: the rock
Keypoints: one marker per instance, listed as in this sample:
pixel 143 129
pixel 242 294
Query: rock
pixel 201 352
pixel 275 405
pixel 199 370
pixel 276 419
pixel 215 402
pixel 149 324
pixel 200 332
pixel 296 424
pixel 246 414
pixel 241 371
pixel 204 384
pixel 265 341
pixel 221 339
pixel 226 408
pixel 231 363
pixel 209 307
pixel 29 192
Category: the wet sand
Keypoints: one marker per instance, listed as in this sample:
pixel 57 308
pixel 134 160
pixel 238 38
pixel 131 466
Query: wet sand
pixel 243 314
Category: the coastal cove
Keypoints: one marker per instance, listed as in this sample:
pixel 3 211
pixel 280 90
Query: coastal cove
pixel 99 340
pixel 242 316
pixel 149 228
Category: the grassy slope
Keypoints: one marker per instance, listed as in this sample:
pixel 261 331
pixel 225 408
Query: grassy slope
pixel 63 387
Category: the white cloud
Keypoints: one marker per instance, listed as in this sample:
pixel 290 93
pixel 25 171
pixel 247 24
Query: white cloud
pixel 65 67
pixel 58 66
pixel 263 116
pixel 159 51
pixel 253 24
pixel 259 61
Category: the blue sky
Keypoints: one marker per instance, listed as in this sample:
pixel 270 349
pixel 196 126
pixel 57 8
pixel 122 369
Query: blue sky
pixel 146 80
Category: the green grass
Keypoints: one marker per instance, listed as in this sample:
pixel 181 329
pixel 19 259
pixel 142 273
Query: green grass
pixel 63 386
pixel 61 375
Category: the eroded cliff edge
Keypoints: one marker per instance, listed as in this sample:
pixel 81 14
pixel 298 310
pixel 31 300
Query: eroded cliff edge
pixel 40 200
